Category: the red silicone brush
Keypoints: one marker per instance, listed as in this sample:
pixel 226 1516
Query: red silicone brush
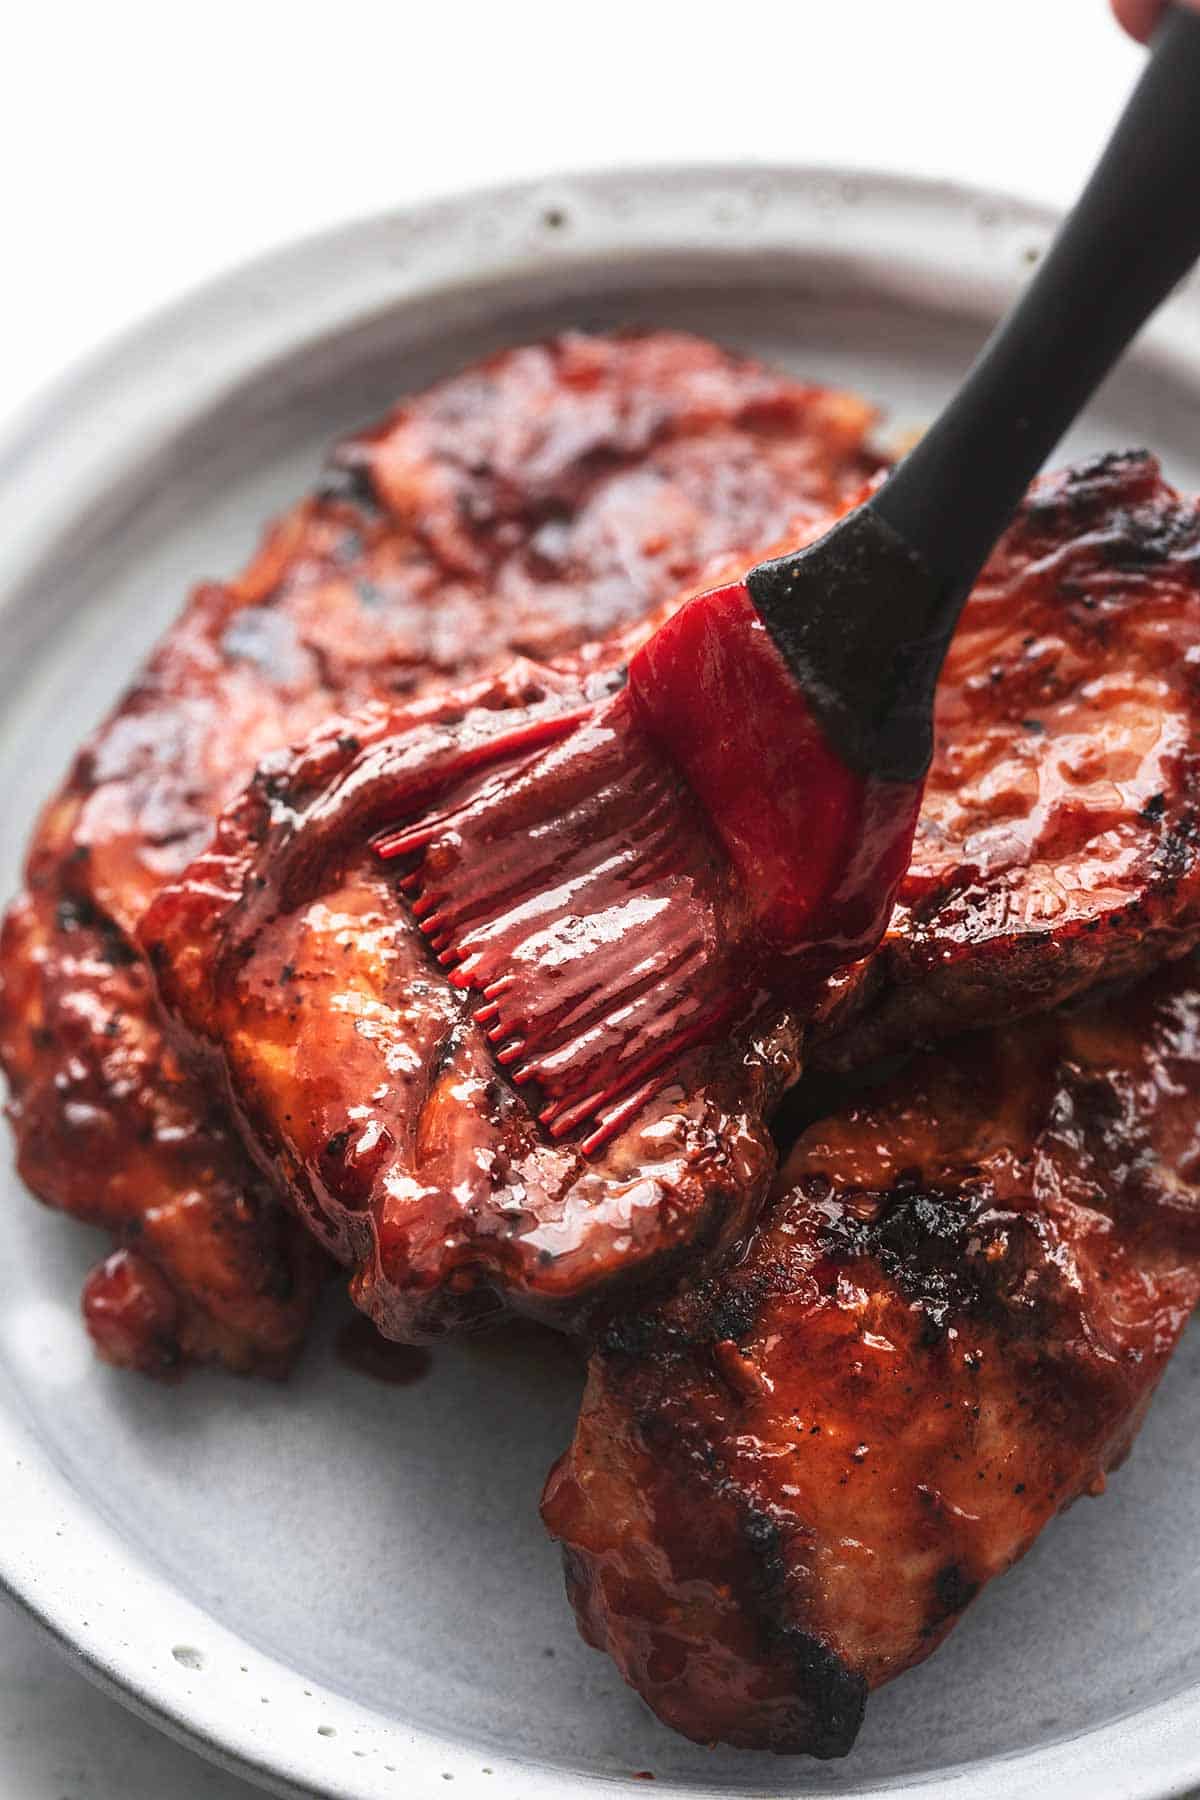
pixel 737 817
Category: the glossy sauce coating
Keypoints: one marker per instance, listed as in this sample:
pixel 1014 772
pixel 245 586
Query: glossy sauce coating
pixel 461 1202
pixel 367 1087
pixel 582 903
pixel 115 1130
pixel 1059 838
pixel 535 500
pixel 614 886
pixel 788 1482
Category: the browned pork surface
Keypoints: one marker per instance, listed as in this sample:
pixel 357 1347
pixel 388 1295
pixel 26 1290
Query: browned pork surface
pixel 541 498
pixel 1057 847
pixel 787 1483
pixel 1059 839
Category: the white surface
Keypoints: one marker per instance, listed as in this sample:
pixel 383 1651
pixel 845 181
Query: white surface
pixel 148 146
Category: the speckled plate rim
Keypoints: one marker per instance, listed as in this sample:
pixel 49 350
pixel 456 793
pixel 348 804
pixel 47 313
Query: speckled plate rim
pixel 59 1560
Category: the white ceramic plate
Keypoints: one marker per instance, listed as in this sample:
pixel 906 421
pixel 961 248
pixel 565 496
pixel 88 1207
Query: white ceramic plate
pixel 343 1588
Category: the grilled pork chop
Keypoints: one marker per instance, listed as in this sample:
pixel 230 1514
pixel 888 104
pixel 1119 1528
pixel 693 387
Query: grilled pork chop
pixel 539 499
pixel 1059 839
pixel 1057 847
pixel 787 1483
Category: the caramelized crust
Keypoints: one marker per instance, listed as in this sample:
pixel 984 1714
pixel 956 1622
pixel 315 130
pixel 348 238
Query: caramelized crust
pixel 114 1130
pixel 1059 840
pixel 788 1482
pixel 369 1093
pixel 543 497
pixel 290 961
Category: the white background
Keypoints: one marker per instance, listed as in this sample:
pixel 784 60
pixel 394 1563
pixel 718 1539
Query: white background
pixel 146 146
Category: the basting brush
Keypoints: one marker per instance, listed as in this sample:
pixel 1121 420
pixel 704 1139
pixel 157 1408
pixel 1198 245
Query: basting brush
pixel 735 820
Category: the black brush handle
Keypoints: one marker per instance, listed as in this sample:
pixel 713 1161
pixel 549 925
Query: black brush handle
pixel 865 615
pixel 1133 234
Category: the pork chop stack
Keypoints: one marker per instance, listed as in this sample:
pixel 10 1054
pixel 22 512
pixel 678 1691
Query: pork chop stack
pixel 1057 847
pixel 826 1403
pixel 541 499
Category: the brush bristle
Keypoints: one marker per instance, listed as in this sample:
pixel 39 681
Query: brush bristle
pixel 577 891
